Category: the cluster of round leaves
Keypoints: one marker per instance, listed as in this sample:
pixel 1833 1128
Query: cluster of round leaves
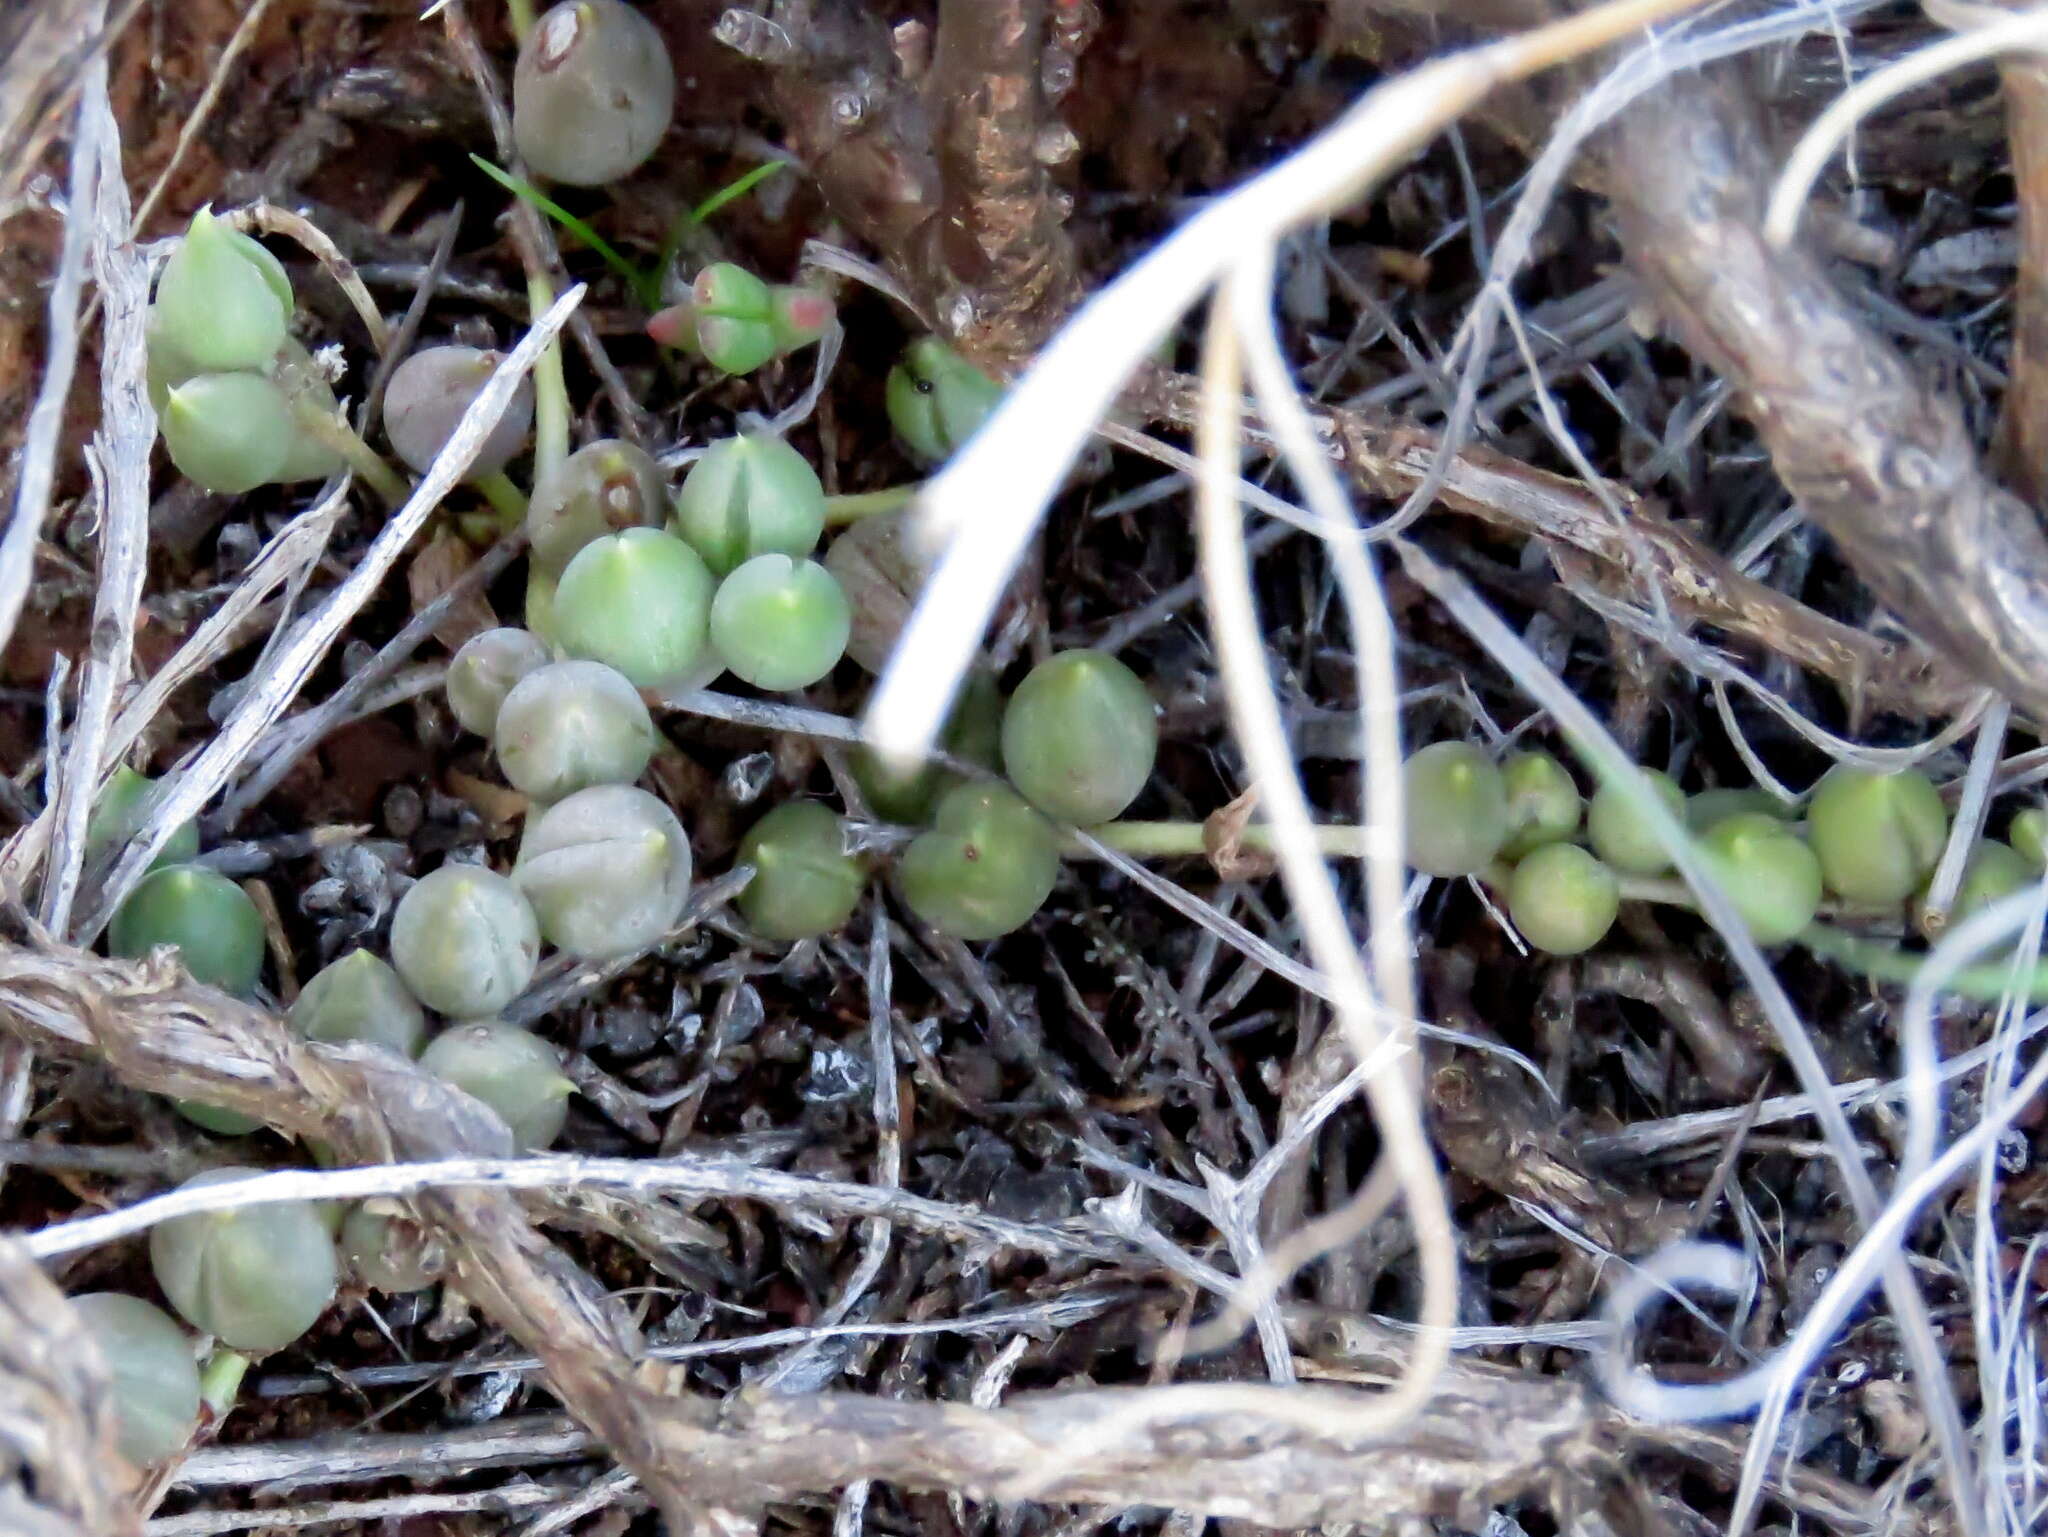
pixel 1868 840
pixel 229 383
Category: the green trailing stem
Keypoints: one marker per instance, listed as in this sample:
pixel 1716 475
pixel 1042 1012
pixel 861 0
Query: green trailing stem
pixel 370 466
pixel 506 499
pixel 550 389
pixel 220 1381
pixel 853 506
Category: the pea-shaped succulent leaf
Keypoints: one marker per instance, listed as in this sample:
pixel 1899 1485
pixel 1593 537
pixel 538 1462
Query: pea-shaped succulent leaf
pixel 256 1277
pixel 1769 873
pixel 514 1071
pixel 222 1122
pixel 124 805
pixel 2029 835
pixel 1543 802
pixel 388 1251
pixel 218 304
pixel 571 725
pixel 604 488
pixel 780 623
pixel 592 93
pixel 607 871
pixel 974 734
pixel 1994 870
pixel 1707 807
pixel 937 400
pixel 1457 814
pixel 484 672
pixel 805 883
pixel 734 315
pixel 1621 834
pixel 750 495
pixel 155 1379
pixel 464 940
pixel 881 571
pixel 1079 736
pixel 210 920
pixel 1878 836
pixel 227 432
pixel 987 864
pixel 799 315
pixel 1563 899
pixel 638 601
pixel 427 396
pixel 359 998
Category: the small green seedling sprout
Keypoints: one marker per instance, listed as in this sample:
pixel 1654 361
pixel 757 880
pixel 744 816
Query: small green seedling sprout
pixel 255 1277
pixel 571 725
pixel 206 917
pixel 780 623
pixel 1457 808
pixel 464 941
pixel 805 883
pixel 640 602
pixel 988 862
pixel 155 1378
pixel 607 871
pixel 360 998
pixel 513 1071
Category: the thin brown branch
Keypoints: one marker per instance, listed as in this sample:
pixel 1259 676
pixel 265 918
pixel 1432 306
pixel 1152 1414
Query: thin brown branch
pixel 1387 458
pixel 1873 455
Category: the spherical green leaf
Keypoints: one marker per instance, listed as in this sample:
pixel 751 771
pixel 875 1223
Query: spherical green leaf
pixel 750 495
pixel 780 623
pixel 206 917
pixel 360 998
pixel 988 863
pixel 1707 807
pixel 124 805
pixel 1079 737
pixel 607 871
pixel 937 400
pixel 1769 873
pixel 219 305
pixel 427 396
pixel 604 488
pixel 228 433
pixel 571 725
pixel 1543 802
pixel 513 1071
pixel 464 940
pixel 484 671
pixel 1995 870
pixel 1621 834
pixel 256 1277
pixel 638 601
pixel 155 1379
pixel 2029 835
pixel 1878 836
pixel 592 93
pixel 1562 899
pixel 805 883
pixel 388 1251
pixel 1457 808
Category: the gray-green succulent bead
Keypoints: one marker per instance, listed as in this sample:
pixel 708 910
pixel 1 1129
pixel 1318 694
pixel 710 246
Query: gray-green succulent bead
pixel 427 396
pixel 124 805
pixel 937 400
pixel 206 917
pixel 1543 802
pixel 1768 872
pixel 780 623
pixel 607 871
pixel 1079 736
pixel 805 883
pixel 360 998
pixel 638 601
pixel 592 93
pixel 513 1071
pixel 988 862
pixel 750 495
pixel 603 488
pixel 571 725
pixel 1622 835
pixel 256 1277
pixel 1457 808
pixel 222 301
pixel 464 940
pixel 1562 899
pixel 1877 836
pixel 155 1379
pixel 228 433
pixel 484 671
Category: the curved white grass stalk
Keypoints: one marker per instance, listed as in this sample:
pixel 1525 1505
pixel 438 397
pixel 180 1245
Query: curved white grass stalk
pixel 2027 30
pixel 986 504
pixel 1603 755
